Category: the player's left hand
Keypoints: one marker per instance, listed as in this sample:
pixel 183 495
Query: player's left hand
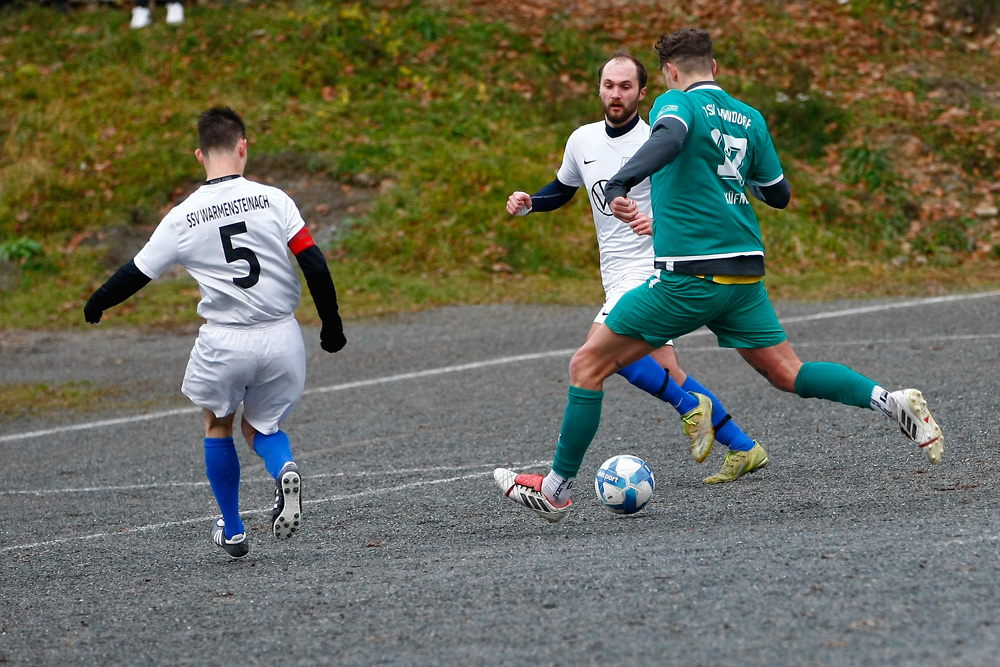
pixel 642 225
pixel 92 313
pixel 331 336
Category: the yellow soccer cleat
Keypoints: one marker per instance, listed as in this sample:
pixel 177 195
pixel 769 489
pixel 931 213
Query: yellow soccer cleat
pixel 698 427
pixel 738 464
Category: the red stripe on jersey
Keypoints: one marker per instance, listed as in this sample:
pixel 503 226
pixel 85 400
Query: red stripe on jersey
pixel 301 241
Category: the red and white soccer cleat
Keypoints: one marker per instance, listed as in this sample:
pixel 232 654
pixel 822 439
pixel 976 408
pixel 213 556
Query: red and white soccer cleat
pixel 916 423
pixel 526 490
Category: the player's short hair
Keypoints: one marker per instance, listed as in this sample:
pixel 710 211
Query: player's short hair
pixel 689 49
pixel 220 128
pixel 625 54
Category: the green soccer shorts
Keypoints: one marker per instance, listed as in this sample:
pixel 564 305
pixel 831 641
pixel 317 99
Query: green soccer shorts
pixel 669 305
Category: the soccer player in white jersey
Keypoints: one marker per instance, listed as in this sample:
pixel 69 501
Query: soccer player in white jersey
pixel 234 236
pixel 706 152
pixel 593 154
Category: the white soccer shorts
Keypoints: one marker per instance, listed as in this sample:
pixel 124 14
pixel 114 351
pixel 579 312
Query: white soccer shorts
pixel 263 367
pixel 627 282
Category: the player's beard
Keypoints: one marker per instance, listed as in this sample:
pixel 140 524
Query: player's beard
pixel 619 117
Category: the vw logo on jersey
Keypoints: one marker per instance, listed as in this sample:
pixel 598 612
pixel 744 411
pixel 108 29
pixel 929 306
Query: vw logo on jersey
pixel 597 196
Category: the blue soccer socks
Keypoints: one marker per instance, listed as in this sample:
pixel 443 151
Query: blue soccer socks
pixel 653 379
pixel 223 468
pixel 647 375
pixel 275 449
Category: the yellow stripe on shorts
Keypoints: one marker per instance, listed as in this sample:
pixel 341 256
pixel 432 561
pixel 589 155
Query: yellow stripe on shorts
pixel 734 280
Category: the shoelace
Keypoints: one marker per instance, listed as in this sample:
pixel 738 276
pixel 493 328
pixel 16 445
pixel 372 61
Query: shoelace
pixel 731 456
pixel 688 420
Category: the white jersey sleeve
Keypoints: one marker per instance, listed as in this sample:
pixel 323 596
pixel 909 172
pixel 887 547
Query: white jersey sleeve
pixel 160 252
pixel 569 171
pixel 232 237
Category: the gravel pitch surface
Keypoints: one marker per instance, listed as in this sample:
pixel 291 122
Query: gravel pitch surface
pixel 847 549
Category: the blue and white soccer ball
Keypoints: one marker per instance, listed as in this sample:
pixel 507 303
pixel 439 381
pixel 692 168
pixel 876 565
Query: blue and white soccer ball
pixel 624 484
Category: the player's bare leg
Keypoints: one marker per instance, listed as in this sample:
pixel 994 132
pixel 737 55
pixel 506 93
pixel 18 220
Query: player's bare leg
pixel 666 357
pixel 778 364
pixel 604 354
pixel 249 432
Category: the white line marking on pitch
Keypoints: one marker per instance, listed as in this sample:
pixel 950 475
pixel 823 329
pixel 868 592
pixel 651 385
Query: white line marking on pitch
pixel 207 519
pixel 418 374
pixel 245 481
pixel 847 312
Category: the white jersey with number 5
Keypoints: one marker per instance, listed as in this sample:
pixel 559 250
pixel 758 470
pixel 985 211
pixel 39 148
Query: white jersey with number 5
pixel 590 159
pixel 232 237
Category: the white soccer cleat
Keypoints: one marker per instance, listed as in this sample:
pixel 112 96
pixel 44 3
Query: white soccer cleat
pixel 175 13
pixel 141 17
pixel 526 490
pixel 286 516
pixel 916 423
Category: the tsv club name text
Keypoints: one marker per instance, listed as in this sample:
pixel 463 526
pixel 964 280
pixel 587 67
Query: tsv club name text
pixel 727 115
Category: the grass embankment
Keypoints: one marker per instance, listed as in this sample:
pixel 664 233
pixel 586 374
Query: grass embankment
pixel 886 119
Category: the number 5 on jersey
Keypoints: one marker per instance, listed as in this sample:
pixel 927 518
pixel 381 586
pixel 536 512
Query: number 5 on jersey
pixel 234 254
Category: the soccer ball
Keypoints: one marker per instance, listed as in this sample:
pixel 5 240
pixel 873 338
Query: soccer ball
pixel 624 484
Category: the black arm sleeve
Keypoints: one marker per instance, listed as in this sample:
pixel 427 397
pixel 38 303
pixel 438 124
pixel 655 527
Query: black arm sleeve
pixel 660 149
pixel 124 283
pixel 552 196
pixel 776 195
pixel 324 294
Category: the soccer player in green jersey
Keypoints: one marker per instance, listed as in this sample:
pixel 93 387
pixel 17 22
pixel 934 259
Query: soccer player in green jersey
pixel 705 153
pixel 594 153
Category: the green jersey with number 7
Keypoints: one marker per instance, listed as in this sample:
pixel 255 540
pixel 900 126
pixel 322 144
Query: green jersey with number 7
pixel 701 195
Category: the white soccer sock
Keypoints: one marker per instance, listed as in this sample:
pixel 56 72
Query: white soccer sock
pixel 884 402
pixel 557 488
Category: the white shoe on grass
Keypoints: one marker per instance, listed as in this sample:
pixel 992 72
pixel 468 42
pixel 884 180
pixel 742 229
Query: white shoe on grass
pixel 175 13
pixel 141 17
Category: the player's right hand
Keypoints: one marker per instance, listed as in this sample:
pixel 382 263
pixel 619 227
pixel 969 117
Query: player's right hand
pixel 331 336
pixel 519 203
pixel 624 209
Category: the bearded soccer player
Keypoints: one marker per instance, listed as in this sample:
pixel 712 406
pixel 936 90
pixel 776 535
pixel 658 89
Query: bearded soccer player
pixel 705 153
pixel 593 154
pixel 234 236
